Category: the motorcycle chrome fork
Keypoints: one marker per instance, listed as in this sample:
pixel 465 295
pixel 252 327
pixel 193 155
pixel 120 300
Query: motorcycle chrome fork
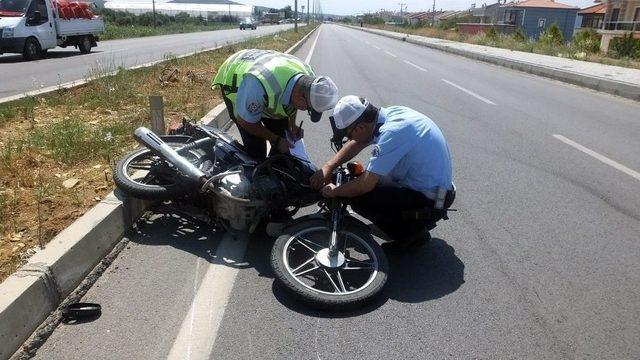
pixel 337 209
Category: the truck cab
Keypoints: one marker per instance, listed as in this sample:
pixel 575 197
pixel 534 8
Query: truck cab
pixel 31 27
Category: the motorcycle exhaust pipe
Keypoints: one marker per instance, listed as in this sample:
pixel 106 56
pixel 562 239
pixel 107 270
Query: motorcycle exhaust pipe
pixel 154 143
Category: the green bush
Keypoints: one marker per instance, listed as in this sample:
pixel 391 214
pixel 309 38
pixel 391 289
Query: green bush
pixel 587 41
pixel 492 34
pixel 625 47
pixel 552 36
pixel 518 35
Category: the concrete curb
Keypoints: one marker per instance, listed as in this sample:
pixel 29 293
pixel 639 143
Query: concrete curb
pixel 28 296
pixel 627 90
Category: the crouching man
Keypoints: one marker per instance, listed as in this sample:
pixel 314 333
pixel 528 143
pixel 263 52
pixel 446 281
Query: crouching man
pixel 407 185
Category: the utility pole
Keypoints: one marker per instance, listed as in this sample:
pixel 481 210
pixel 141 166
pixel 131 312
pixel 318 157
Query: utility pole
pixel 433 22
pixel 154 12
pixel 295 17
pixel 401 6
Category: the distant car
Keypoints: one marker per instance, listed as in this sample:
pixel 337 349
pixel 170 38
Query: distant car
pixel 248 23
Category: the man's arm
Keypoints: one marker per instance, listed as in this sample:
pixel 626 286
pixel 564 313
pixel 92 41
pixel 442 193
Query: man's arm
pixel 348 152
pixel 361 185
pixel 257 129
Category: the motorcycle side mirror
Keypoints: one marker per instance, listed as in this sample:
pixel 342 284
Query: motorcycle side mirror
pixel 355 168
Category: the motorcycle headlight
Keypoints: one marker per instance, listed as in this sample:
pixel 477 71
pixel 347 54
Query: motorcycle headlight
pixel 7 32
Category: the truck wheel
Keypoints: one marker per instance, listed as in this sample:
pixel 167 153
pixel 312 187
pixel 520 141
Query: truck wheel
pixel 85 45
pixel 32 49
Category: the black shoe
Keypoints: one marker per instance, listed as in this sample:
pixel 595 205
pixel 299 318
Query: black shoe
pixel 409 243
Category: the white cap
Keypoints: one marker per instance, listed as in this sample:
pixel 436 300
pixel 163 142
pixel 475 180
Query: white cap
pixel 323 94
pixel 348 110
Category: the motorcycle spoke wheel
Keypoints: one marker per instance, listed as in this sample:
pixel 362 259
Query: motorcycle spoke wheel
pixel 357 272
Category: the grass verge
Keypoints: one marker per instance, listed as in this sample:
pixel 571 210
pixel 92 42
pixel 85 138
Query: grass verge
pixel 113 31
pixel 509 42
pixel 57 150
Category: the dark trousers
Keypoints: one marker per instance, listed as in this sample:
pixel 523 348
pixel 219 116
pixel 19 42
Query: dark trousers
pixel 393 209
pixel 257 147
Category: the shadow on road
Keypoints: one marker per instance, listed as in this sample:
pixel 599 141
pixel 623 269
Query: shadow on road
pixel 172 226
pixel 50 55
pixel 428 273
pixel 423 274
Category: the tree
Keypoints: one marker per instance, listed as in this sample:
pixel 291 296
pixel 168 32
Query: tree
pixel 287 12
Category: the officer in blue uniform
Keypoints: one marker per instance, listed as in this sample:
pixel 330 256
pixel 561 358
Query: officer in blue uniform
pixel 407 186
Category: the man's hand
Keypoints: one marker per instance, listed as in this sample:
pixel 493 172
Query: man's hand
pixel 329 191
pixel 321 177
pixel 296 132
pixel 283 145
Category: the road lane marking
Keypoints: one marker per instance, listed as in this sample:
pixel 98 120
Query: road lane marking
pixel 470 92
pixel 388 53
pixel 313 47
pixel 377 48
pixel 604 159
pixel 200 327
pixel 415 66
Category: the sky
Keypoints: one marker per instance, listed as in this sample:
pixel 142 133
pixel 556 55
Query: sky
pixel 349 7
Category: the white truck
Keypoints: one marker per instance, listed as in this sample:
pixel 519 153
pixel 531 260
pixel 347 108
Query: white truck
pixel 31 27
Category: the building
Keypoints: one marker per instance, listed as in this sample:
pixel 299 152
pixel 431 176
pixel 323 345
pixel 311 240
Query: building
pixel 487 14
pixel 592 17
pixel 205 8
pixel 621 17
pixel 419 18
pixel 536 16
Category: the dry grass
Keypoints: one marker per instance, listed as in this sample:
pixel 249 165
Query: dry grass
pixel 506 42
pixel 78 133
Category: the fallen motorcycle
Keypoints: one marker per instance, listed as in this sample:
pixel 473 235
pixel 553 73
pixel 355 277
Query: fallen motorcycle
pixel 328 259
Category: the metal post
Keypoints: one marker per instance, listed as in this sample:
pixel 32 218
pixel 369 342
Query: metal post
pixel 156 108
pixel 307 12
pixel 295 17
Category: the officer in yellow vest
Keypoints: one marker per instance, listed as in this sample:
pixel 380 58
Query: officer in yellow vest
pixel 263 90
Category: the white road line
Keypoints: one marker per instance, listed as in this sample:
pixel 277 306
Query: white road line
pixel 415 66
pixel 470 92
pixel 377 48
pixel 313 47
pixel 604 159
pixel 388 53
pixel 200 327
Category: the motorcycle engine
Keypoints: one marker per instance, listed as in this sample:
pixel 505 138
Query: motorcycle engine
pixel 269 189
pixel 237 185
pixel 233 202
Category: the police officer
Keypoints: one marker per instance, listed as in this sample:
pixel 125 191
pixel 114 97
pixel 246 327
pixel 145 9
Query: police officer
pixel 407 185
pixel 263 89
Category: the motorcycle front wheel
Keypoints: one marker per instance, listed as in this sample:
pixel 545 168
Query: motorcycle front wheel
pixel 355 275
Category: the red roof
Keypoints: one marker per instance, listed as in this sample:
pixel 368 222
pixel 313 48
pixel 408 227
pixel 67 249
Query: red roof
pixel 595 9
pixel 550 4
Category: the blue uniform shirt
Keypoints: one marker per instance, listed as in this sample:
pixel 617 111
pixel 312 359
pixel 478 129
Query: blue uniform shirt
pixel 410 150
pixel 250 99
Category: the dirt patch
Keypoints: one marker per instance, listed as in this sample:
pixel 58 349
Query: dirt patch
pixel 57 150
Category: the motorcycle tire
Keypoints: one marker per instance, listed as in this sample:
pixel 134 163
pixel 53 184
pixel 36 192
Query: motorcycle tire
pixel 156 188
pixel 314 295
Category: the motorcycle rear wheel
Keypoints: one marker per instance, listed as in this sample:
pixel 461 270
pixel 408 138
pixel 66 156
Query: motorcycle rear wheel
pixel 143 175
pixel 297 264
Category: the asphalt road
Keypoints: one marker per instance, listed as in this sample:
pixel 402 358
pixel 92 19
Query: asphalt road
pixel 542 260
pixel 66 65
